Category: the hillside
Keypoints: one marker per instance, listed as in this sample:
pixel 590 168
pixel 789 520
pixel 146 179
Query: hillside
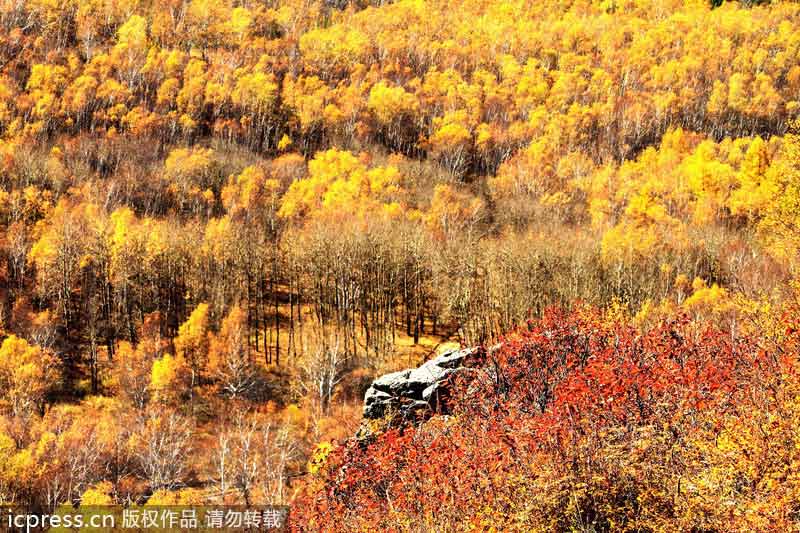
pixel 580 423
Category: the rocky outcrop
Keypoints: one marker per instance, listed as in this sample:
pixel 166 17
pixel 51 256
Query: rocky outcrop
pixel 423 388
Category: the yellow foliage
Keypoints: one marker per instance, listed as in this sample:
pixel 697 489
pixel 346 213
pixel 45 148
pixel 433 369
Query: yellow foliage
pixel 98 495
pixel 188 162
pixel 284 143
pixel 340 185
pixel 389 102
pixel 453 212
pixel 255 91
pixel 191 342
pixel 27 373
pixel 133 34
pixel 229 359
pixel 166 374
pixel 250 191
pixel 183 497
pixel 318 457
pixel 779 227
pixel 713 298
pixel 334 47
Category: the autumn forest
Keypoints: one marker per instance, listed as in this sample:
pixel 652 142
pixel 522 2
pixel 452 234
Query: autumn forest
pixel 221 220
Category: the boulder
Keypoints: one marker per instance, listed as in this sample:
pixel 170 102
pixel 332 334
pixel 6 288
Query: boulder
pixel 415 389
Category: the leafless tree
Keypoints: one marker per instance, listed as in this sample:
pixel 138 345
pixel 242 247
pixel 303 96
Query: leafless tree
pixel 164 443
pixel 253 456
pixel 321 372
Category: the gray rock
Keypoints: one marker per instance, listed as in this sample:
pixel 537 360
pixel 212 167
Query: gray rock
pixel 430 391
pixel 453 359
pixel 391 383
pixel 375 403
pixel 414 389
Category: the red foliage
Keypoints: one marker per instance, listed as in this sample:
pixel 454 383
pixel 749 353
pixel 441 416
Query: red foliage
pixel 551 388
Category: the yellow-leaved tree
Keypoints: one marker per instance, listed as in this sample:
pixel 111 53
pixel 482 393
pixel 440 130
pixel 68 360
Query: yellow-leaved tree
pixel 190 173
pixel 341 185
pixel 171 379
pixel 131 374
pixel 191 344
pixel 27 374
pixel 229 360
pixel 780 226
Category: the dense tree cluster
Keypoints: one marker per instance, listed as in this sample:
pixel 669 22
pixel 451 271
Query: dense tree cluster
pixel 236 213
